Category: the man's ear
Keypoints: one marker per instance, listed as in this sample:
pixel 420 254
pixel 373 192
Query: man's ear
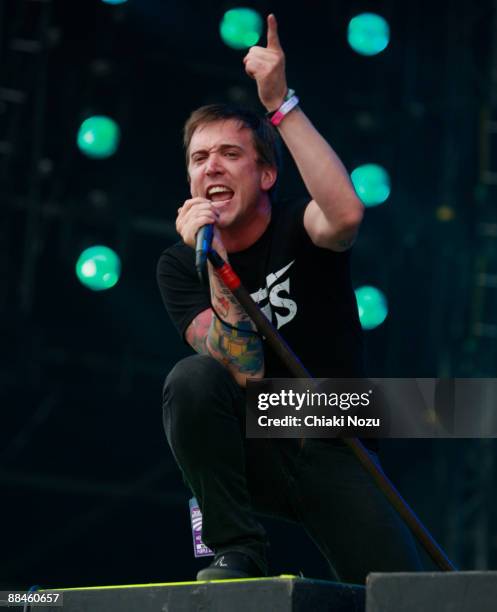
pixel 268 177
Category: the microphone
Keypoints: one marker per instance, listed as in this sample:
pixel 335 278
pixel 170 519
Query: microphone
pixel 202 248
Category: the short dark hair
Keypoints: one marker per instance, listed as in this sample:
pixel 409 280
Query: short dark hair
pixel 265 137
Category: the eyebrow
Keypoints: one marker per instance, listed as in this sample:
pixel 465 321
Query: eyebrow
pixel 222 147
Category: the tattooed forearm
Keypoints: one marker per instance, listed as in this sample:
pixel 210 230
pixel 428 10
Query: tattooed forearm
pixel 196 334
pixel 222 306
pixel 238 349
pixel 225 302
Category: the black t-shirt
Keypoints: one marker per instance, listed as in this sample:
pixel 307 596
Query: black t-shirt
pixel 305 290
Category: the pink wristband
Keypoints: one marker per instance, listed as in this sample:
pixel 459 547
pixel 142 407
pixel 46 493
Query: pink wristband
pixel 284 109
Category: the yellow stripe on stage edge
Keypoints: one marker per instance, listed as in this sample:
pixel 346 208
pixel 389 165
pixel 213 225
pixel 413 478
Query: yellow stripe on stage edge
pixel 163 584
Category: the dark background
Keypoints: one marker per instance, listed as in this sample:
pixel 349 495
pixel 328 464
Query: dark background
pixel 89 492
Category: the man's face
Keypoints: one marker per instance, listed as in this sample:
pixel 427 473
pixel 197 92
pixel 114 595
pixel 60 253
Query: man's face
pixel 223 168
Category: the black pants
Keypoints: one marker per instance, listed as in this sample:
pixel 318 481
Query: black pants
pixel 322 486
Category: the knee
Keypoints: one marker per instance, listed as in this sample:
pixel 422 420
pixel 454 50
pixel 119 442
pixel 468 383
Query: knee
pixel 197 392
pixel 194 384
pixel 193 376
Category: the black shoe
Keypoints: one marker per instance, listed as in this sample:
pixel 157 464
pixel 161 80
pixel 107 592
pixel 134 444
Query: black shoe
pixel 230 565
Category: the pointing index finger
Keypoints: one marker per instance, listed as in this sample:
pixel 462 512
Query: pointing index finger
pixel 273 41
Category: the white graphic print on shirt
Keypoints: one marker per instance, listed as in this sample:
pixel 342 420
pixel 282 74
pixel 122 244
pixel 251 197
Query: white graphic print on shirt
pixel 277 295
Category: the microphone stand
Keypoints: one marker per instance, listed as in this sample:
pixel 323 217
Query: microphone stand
pixel 279 345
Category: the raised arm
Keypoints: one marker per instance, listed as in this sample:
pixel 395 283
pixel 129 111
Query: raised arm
pixel 333 216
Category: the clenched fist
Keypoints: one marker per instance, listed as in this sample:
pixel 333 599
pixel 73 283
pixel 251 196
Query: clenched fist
pixel 267 66
pixel 195 213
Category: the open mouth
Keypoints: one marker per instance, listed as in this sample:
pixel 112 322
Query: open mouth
pixel 220 195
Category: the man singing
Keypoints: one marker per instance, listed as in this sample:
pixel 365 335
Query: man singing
pixel 293 257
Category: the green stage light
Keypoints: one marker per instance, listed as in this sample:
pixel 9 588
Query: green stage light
pixel 371 183
pixel 98 137
pixel 98 268
pixel 372 305
pixel 114 1
pixel 368 34
pixel 241 28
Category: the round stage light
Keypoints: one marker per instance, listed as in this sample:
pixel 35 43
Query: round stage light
pixel 372 184
pixel 98 268
pixel 98 137
pixel 241 28
pixel 368 34
pixel 372 306
pixel 114 1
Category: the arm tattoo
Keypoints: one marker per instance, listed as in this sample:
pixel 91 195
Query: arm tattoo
pixel 196 334
pixel 226 304
pixel 241 349
pixel 223 306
